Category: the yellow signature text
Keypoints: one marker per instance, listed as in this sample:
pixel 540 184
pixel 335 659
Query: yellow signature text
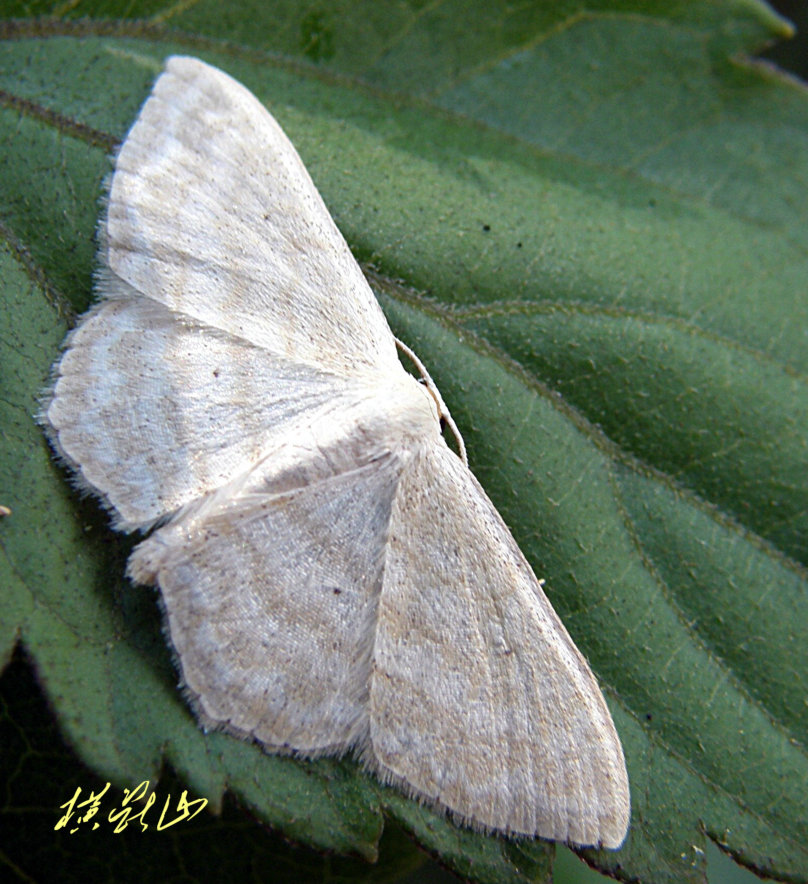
pixel 134 806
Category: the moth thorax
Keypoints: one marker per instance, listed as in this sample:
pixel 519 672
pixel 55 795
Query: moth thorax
pixel 405 414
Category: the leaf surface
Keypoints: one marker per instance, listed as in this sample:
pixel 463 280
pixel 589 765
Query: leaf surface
pixel 589 222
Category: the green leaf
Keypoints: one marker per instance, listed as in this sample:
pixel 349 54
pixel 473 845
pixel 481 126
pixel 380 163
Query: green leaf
pixel 41 774
pixel 590 223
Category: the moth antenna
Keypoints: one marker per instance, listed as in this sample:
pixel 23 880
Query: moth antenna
pixel 442 409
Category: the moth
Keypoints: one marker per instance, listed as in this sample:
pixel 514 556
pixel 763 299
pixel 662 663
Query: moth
pixel 334 578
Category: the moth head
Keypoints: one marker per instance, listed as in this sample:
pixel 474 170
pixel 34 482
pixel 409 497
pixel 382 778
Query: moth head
pixel 442 412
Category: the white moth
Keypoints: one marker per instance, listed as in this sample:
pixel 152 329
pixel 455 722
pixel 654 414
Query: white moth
pixel 334 578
